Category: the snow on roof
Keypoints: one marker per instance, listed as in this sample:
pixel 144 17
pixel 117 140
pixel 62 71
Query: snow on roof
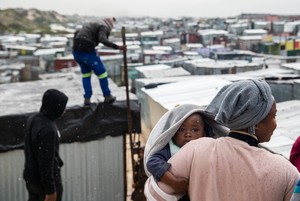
pixel 21 47
pixel 128 43
pixel 66 57
pixel 193 45
pixel 54 38
pixel 153 67
pixel 134 47
pixel 239 25
pixel 270 72
pixel 212 32
pixel 279 22
pixel 128 35
pixel 31 35
pixel 152 33
pixel 25 97
pixel 211 63
pixel 191 53
pixel 255 31
pixel 10 39
pixel 199 90
pixel 261 22
pixel 113 57
pixel 230 21
pixel 169 72
pixel 163 48
pixel 295 66
pixel 50 51
pixel 107 50
pixel 255 37
pixel 153 52
pixel 12 66
pixel 171 40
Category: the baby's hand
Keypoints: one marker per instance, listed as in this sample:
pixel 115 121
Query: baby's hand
pixel 180 185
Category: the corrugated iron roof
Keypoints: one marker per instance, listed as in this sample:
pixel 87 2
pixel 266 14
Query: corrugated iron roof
pixel 199 91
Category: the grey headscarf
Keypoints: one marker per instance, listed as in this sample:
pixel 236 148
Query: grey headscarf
pixel 170 122
pixel 242 104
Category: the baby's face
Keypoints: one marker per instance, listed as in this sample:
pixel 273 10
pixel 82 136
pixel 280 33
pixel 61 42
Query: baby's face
pixel 191 129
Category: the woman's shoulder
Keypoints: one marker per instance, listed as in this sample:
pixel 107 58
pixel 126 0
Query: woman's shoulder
pixel 203 141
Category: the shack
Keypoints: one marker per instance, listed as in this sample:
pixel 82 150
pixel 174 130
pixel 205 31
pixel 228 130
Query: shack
pixel 93 138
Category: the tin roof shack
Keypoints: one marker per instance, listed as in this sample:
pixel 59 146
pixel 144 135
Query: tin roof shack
pixel 249 42
pixel 154 56
pixel 157 100
pixel 234 55
pixel 285 84
pixel 285 89
pixel 238 28
pixel 278 27
pixel 92 139
pixel 48 55
pixel 112 64
pixel 292 66
pixel 11 72
pixel 151 38
pixel 160 70
pixel 174 43
pixel 262 25
pixel 213 36
pixel 64 62
pixel 217 67
pixel 190 37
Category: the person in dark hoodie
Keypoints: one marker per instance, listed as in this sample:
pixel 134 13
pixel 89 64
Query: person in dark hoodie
pixel 42 161
pixel 85 41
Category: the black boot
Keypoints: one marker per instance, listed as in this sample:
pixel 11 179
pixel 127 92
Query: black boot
pixel 87 102
pixel 109 99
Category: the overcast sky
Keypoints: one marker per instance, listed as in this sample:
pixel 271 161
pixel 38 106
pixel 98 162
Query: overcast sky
pixel 159 8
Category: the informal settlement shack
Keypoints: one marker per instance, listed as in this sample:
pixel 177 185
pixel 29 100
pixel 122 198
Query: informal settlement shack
pixel 92 139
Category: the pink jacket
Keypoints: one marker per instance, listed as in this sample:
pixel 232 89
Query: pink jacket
pixel 227 169
pixel 295 154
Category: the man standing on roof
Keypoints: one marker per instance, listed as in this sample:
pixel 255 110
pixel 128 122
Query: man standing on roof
pixel 85 41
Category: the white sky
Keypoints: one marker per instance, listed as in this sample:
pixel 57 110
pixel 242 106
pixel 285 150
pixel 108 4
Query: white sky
pixel 159 8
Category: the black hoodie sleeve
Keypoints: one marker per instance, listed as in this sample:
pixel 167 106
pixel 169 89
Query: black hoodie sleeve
pixel 103 38
pixel 46 156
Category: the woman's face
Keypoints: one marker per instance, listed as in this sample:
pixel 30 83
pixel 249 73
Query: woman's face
pixel 264 129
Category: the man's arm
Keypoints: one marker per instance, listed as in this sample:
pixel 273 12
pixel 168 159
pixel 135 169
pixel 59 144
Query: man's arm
pixel 46 157
pixel 103 38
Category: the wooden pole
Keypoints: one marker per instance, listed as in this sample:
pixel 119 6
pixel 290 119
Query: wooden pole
pixel 129 117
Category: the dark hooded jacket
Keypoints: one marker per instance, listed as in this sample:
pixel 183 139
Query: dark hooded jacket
pixel 42 160
pixel 90 35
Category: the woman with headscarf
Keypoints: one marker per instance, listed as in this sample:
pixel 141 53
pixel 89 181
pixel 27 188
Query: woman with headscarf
pixel 235 167
pixel 85 41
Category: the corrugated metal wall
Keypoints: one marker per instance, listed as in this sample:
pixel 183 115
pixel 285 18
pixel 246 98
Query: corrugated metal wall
pixel 297 90
pixel 12 186
pixel 282 91
pixel 93 171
